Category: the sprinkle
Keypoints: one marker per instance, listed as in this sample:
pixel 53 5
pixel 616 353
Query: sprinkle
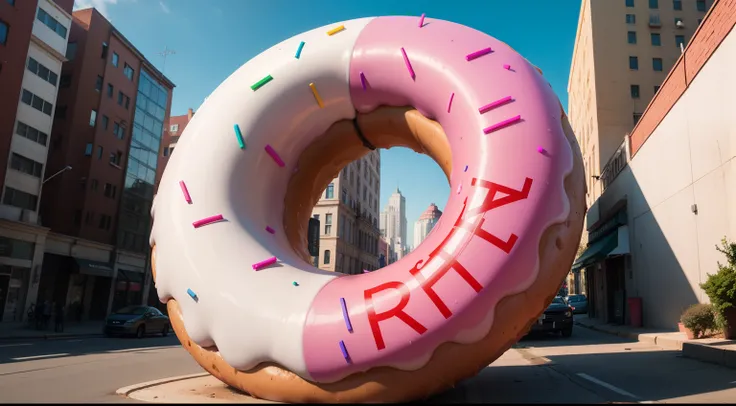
pixel 408 64
pixel 421 20
pixel 541 150
pixel 270 151
pixel 239 136
pixel 261 82
pixel 316 95
pixel 466 168
pixel 270 230
pixel 299 50
pixel 294 283
pixel 459 188
pixel 192 295
pixel 335 30
pixel 366 271
pixel 507 67
pixel 478 54
pixel 502 124
pixel 264 263
pixel 184 190
pixel 449 104
pixel 362 81
pixel 207 220
pixel 344 352
pixel 345 315
pixel 494 104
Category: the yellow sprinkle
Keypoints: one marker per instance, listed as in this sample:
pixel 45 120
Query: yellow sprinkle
pixel 335 30
pixel 316 95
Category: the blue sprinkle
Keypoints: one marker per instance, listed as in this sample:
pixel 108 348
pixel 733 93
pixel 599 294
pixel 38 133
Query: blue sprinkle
pixel 239 136
pixel 193 295
pixel 344 352
pixel 299 50
pixel 466 168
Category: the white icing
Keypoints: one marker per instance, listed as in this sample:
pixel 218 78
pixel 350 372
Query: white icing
pixel 252 316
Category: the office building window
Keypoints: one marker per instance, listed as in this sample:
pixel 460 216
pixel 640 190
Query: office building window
pixel 110 190
pixel 326 259
pixel 174 128
pixel 105 122
pixel 105 221
pixel 4 31
pixel 88 149
pixel 41 71
pixel 637 117
pixel 656 89
pixel 629 3
pixel 633 63
pixel 330 191
pixel 653 4
pixel 120 98
pixel 100 150
pixel 678 21
pixel 677 4
pixel 631 37
pixel 25 165
pixel 98 83
pixel 119 131
pixel 700 5
pixel 656 39
pixel 16 198
pixel 71 51
pixel 116 158
pixel 128 71
pixel 51 22
pixel 630 19
pixel 36 102
pixel 679 40
pixel 93 184
pixel 92 118
pixel 328 224
pixel 110 90
pixel 634 91
pixel 115 59
pixel 657 64
pixel 25 130
pixel 344 196
pixel 104 50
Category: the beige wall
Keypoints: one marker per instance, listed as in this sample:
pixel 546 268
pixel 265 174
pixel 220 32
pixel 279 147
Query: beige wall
pixel 688 160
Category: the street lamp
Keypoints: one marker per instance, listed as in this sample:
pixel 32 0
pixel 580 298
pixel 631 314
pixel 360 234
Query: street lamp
pixel 66 168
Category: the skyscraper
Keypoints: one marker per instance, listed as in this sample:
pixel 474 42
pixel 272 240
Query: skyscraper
pixel 426 222
pixel 393 222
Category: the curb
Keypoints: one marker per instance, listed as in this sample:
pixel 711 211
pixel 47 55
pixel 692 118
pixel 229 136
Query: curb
pixel 710 354
pixel 51 336
pixel 127 390
pixel 650 338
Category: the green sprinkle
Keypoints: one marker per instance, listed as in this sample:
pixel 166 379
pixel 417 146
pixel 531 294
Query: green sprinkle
pixel 294 283
pixel 261 82
pixel 239 136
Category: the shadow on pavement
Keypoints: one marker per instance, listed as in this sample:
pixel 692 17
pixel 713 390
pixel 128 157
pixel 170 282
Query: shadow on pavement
pixel 555 340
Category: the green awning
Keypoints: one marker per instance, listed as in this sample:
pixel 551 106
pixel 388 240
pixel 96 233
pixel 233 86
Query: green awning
pixel 94 268
pixel 597 251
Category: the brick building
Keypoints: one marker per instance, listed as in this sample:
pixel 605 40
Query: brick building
pixel 172 131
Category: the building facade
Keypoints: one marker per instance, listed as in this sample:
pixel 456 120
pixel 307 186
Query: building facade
pixel 393 223
pixel 671 193
pixel 348 215
pixel 426 222
pixel 33 42
pixel 172 131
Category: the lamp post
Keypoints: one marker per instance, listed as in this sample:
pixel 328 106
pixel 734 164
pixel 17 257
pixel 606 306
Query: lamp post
pixel 66 168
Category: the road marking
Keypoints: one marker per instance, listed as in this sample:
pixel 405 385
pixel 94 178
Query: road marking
pixel 61 354
pixel 15 345
pixel 73 341
pixel 607 385
pixel 143 349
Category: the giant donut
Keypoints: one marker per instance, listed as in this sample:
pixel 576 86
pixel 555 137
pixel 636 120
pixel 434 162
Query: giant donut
pixel 231 212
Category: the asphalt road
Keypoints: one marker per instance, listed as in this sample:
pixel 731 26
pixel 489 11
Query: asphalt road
pixel 589 367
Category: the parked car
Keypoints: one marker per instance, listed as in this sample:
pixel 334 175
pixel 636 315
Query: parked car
pixel 137 320
pixel 556 318
pixel 579 304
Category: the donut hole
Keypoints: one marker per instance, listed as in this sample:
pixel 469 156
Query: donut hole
pixel 328 154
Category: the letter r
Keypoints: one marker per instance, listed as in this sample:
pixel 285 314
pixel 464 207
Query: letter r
pixel 397 311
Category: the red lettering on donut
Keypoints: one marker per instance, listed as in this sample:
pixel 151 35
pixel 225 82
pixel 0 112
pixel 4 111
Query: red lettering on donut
pixel 397 311
pixel 427 284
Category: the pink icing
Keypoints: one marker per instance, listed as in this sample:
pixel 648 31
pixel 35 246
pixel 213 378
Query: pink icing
pixel 483 272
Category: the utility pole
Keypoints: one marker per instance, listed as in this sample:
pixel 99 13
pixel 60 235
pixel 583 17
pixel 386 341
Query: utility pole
pixel 165 54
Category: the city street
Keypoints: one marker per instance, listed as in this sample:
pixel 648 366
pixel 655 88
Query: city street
pixel 589 367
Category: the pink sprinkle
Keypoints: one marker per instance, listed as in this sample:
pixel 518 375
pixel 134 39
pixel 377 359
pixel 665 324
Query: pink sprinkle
pixel 207 220
pixel 366 271
pixel 449 105
pixel 408 64
pixel 296 169
pixel 494 104
pixel 184 190
pixel 541 150
pixel 274 155
pixel 502 124
pixel 362 80
pixel 507 67
pixel 264 263
pixel 460 188
pixel 421 20
pixel 270 230
pixel 478 54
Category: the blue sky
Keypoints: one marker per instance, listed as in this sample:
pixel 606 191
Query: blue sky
pixel 213 38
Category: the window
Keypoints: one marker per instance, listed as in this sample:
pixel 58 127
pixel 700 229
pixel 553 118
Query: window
pixel 128 71
pixel 637 117
pixel 700 5
pixel 110 90
pixel 119 131
pixel 105 221
pixel 326 259
pixel 677 4
pixel 633 63
pixel 105 122
pixel 174 128
pixel 344 196
pixel 629 3
pixel 24 130
pixel 120 98
pixel 115 59
pixel 634 91
pixel 51 22
pixel 36 102
pixel 657 64
pixel 656 89
pixel 71 51
pixel 65 81
pixel 93 184
pixel 26 165
pixel 98 83
pixel 88 149
pixel 41 71
pixel 680 40
pixel 89 217
pixel 100 150
pixel 328 224
pixel 127 102
pixel 110 190
pixel 631 37
pixel 330 191
pixel 20 199
pixel 630 19
pixel 656 39
pixel 11 2
pixel 92 118
pixel 116 158
pixel 653 4
pixel 104 50
pixel 678 22
pixel 4 30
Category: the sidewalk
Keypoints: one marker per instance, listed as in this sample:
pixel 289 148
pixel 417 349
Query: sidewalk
pixel 714 350
pixel 21 331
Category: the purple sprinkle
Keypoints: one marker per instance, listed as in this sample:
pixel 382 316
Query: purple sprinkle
pixel 478 54
pixel 366 271
pixel 345 315
pixel 344 352
pixel 449 105
pixel 466 168
pixel 270 230
pixel 362 81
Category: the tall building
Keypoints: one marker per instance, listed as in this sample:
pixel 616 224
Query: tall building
pixel 172 131
pixel 348 215
pixel 108 125
pixel 426 222
pixel 33 42
pixel 623 51
pixel 393 222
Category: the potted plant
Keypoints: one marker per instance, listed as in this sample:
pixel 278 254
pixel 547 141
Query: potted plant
pixel 698 319
pixel 721 289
